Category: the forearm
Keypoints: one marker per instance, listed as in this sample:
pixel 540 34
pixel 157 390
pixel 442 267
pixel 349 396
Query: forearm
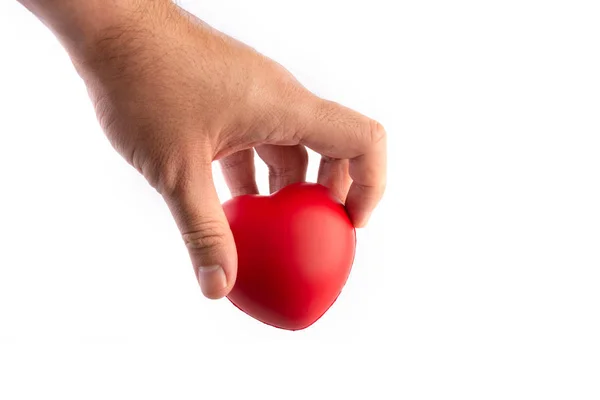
pixel 79 24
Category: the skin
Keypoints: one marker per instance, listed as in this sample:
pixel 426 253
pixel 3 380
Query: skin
pixel 173 95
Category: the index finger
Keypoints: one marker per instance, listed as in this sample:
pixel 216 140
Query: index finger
pixel 338 132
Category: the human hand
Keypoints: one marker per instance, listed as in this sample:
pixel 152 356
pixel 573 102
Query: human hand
pixel 173 95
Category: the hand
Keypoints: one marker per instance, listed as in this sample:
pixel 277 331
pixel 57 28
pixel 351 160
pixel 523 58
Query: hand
pixel 173 95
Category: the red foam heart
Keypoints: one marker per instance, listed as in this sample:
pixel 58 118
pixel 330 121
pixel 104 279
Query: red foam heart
pixel 295 252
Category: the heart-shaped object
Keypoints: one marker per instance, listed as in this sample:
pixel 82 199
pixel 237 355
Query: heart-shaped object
pixel 295 252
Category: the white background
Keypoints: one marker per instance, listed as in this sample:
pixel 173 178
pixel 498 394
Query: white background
pixel 479 277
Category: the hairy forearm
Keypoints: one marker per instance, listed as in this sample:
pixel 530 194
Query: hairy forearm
pixel 80 23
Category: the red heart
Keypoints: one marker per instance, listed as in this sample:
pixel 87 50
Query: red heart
pixel 295 252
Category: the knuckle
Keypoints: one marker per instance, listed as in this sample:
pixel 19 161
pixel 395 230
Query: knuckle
pixel 376 132
pixel 287 160
pixel 327 160
pixel 371 195
pixel 242 189
pixel 235 161
pixel 206 237
pixel 280 171
pixel 172 171
pixel 164 171
pixel 377 189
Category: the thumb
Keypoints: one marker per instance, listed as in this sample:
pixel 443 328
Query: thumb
pixel 197 210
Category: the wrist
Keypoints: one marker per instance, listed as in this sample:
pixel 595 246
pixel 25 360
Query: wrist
pixel 82 25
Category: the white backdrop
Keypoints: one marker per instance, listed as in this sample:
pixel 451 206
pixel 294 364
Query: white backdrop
pixel 478 278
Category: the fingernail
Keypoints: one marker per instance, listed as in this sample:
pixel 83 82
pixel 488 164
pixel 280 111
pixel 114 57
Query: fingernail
pixel 211 279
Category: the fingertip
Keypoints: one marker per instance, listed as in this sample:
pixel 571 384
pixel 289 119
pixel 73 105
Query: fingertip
pixel 359 219
pixel 361 202
pixel 361 223
pixel 214 282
